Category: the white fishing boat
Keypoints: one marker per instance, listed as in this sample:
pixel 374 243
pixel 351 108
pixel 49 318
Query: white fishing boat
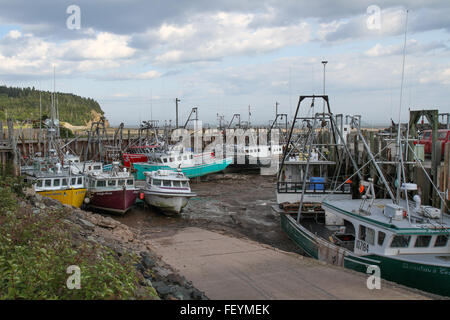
pixel 167 190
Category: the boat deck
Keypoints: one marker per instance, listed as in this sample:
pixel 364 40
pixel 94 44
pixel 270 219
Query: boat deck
pixel 377 215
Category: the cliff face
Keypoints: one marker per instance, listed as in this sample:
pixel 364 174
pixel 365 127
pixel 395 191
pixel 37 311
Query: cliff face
pixel 23 104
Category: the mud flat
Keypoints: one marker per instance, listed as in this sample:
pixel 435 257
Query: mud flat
pixel 226 267
pixel 229 243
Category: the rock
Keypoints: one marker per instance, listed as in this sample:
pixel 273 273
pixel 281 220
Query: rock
pixel 175 278
pixel 148 262
pixel 104 222
pixel 29 192
pixel 49 202
pixel 91 238
pixel 162 272
pixel 198 295
pixel 123 233
pixel 40 205
pixel 148 282
pixel 162 288
pixel 86 224
pixel 140 267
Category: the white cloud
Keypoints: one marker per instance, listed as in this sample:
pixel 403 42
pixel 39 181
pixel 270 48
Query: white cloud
pixel 213 37
pixel 25 53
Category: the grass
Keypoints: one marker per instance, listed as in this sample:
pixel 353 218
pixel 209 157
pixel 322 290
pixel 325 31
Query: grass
pixel 36 250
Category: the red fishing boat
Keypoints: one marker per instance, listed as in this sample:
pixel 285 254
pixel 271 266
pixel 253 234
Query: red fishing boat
pixel 113 191
pixel 137 154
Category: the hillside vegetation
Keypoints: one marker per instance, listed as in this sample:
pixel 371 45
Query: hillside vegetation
pixel 23 104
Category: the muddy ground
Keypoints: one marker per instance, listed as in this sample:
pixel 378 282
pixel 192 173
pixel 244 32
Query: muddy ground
pixel 236 204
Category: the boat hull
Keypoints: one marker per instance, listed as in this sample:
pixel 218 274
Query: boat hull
pixel 117 201
pixel 190 172
pixel 71 197
pixel 169 204
pixel 129 159
pixel 430 278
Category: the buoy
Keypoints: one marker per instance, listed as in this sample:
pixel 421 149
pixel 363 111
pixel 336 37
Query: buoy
pixel 361 189
pixel 141 196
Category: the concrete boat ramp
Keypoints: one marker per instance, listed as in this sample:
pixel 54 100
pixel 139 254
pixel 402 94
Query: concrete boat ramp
pixel 226 267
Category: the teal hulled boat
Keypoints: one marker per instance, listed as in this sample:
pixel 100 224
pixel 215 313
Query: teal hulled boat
pixel 191 164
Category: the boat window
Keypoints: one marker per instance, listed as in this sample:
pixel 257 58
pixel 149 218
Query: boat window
pixel 121 182
pixel 111 183
pixel 381 237
pixel 192 157
pixel 80 180
pixel 427 135
pixel 92 184
pixel 74 181
pixel 422 241
pixel 97 167
pixel 400 241
pixel 156 182
pixel 48 183
pixel 184 157
pixel 167 183
pixel 56 182
pixel 172 159
pixel 441 240
pixel 165 160
pixel 185 184
pixel 101 183
pixel 130 182
pixel 176 184
pixel 39 183
pixel 367 234
pixel 179 158
pixel 64 182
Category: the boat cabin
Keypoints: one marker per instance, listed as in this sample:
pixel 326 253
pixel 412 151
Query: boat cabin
pixel 384 234
pixel 167 179
pixel 58 183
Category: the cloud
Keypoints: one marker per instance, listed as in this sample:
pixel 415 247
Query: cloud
pixel 412 47
pixel 213 37
pixel 22 54
pixel 124 76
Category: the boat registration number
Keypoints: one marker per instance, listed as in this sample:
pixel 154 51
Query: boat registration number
pixel 362 246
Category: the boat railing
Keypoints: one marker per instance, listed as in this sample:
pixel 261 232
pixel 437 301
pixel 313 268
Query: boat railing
pixel 313 187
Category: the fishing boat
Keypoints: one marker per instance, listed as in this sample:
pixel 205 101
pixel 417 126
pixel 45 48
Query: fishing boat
pixel 148 141
pixel 50 180
pixel 190 163
pixel 253 156
pixel 406 240
pixel 112 191
pixel 167 190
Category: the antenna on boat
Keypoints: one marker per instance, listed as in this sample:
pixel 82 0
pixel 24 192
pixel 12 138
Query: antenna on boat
pixel 400 167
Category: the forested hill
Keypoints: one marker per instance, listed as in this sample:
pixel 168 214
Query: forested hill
pixel 23 104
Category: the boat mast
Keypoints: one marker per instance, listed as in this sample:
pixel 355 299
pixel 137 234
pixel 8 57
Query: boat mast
pixel 399 141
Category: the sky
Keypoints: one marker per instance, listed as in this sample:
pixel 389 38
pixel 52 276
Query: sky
pixel 135 57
